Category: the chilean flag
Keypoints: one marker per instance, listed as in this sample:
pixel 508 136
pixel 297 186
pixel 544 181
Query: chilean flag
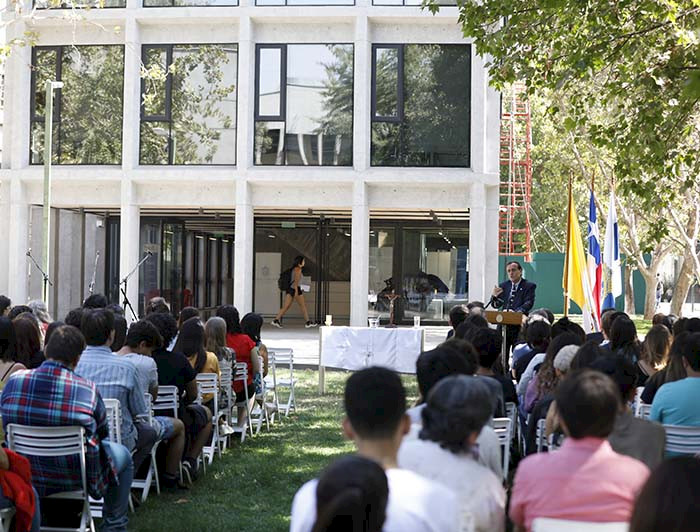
pixel 595 261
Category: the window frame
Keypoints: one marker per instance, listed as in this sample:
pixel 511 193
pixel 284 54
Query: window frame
pixel 398 119
pixel 281 117
pixel 34 6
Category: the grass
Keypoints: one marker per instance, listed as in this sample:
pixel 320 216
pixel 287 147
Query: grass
pixel 642 325
pixel 251 488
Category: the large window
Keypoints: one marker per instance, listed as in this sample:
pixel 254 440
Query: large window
pixel 188 104
pixel 87 111
pixel 420 105
pixel 304 2
pixel 411 2
pixel 182 3
pixel 303 104
pixel 85 4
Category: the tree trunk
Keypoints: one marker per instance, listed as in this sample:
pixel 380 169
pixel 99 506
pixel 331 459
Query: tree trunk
pixel 629 290
pixel 680 292
pixel 650 292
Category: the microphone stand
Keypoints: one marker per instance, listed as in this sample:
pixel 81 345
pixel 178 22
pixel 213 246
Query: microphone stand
pixel 91 286
pixel 45 276
pixel 123 284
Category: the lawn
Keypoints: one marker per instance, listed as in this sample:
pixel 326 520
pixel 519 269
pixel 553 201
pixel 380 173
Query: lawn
pixel 252 486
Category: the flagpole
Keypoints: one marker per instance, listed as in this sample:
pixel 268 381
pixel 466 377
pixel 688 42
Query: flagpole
pixel 566 255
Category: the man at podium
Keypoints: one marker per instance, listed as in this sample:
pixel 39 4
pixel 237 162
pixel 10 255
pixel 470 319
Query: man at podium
pixel 516 294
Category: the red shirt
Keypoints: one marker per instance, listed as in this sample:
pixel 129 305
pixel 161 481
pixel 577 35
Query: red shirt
pixel 242 345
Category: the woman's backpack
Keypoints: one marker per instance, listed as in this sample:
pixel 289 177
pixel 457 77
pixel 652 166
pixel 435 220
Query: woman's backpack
pixel 285 280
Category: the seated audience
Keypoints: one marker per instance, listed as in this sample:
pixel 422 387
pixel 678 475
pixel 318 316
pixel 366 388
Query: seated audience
pixel 185 314
pixel 472 321
pixel 375 404
pixel 116 378
pixel 74 317
pixel 476 307
pixel 21 309
pixel 5 305
pixel 190 342
pixel 18 493
pixel 586 355
pixel 120 327
pixel 157 305
pixel 251 324
pixel 546 408
pixel 51 328
pixel 215 340
pixel 631 436
pixel 74 401
pixel 8 351
pixel 457 315
pixel 655 349
pixel 28 335
pixel 41 313
pixel 94 301
pixel 624 340
pixel 456 411
pixel 539 334
pixel 585 480
pixel 674 370
pixel 522 346
pixel 488 343
pixel 670 499
pixel 351 494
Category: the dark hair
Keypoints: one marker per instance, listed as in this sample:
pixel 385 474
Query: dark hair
pixel 74 317
pixel 157 305
pixel 143 331
pixel 5 303
pixel 586 355
pixel 50 329
pixel 166 325
pixel 19 309
pixel 656 346
pixel 8 341
pixel 475 304
pixel 190 342
pixel 96 325
pixel 28 338
pixel 116 308
pixel 66 345
pixel 251 325
pixel 487 343
pixel 375 402
pixel 621 371
pixel 434 365
pixel 547 378
pixel 624 340
pixel 119 332
pixel 670 498
pixel 679 326
pixel 539 334
pixel 95 301
pixel 609 318
pixel 230 315
pixel 693 325
pixel 520 268
pixel 465 350
pixel 473 321
pixel 297 261
pixel 457 315
pixel 691 351
pixel 351 496
pixel 187 313
pixel 587 402
pixel 565 325
pixel 457 407
pixel 669 321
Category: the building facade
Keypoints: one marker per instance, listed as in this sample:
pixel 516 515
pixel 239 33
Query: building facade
pixel 226 139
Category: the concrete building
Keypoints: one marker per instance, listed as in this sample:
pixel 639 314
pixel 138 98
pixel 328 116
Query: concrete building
pixel 227 139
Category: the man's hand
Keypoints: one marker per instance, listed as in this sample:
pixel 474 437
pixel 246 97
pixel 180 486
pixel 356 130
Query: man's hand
pixel 497 291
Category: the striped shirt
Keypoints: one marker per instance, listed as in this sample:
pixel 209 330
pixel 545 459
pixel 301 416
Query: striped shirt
pixel 53 396
pixel 116 378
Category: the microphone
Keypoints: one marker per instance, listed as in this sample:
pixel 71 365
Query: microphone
pixel 149 253
pixel 29 252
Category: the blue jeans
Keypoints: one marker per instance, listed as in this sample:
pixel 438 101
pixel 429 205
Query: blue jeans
pixel 36 521
pixel 116 499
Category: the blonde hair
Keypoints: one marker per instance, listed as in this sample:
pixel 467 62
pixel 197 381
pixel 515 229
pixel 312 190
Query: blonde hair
pixel 215 337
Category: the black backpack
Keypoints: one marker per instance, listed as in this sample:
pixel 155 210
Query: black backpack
pixel 285 280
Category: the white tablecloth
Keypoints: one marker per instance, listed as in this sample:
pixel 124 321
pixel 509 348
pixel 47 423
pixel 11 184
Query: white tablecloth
pixel 355 348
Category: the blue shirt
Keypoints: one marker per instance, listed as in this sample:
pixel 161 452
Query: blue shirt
pixel 116 378
pixel 676 403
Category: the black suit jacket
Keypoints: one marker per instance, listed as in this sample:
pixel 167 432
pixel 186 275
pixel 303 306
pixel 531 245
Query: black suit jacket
pixel 524 297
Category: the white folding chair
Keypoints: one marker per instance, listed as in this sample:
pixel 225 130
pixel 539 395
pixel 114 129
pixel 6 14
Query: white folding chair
pixel 541 435
pixel 512 413
pixel 503 427
pixel 208 383
pixel 144 484
pixel 6 515
pixel 683 440
pixel 226 398
pixel 260 413
pixel 167 403
pixel 241 375
pixel 637 399
pixel 545 524
pixel 283 357
pixel 270 383
pixel 642 411
pixel 55 442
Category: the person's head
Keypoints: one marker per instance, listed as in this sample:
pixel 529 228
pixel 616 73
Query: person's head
pixel 693 325
pixel 351 495
pixel 375 407
pixel 564 358
pixel 299 261
pixel 656 346
pixel 475 307
pixel 457 409
pixel 679 326
pixel 606 320
pixel 190 342
pixel 166 325
pixel 670 498
pixel 487 343
pixel 457 315
pixel 28 336
pixel 230 315
pixel 97 326
pixel 20 309
pixel 465 350
pixel 185 314
pixel 585 355
pixel 658 318
pixel 5 305
pixel 157 305
pixel 623 373
pixel 623 333
pixel 40 311
pixel 66 345
pixel 669 321
pixel 472 321
pixel 251 325
pixel 143 337
pixel 547 377
pixel 691 354
pixel 116 309
pixel 539 334
pixel 120 327
pixel 95 301
pixel 434 365
pixel 50 329
pixel 8 342
pixel 565 325
pixel 514 271
pixel 215 336
pixel 74 317
pixel 541 313
pixel 587 403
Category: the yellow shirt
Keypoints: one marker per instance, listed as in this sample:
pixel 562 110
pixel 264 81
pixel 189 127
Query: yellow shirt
pixel 210 366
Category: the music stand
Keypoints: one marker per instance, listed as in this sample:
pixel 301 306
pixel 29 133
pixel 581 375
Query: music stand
pixel 503 318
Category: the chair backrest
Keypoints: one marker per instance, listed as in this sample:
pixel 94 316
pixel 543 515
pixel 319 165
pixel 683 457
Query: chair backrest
pixel 148 399
pixel 502 426
pixel 226 375
pixel 544 524
pixel 208 383
pixel 541 435
pixel 684 440
pixel 642 411
pixel 282 356
pixel 167 400
pixel 114 419
pixel 241 373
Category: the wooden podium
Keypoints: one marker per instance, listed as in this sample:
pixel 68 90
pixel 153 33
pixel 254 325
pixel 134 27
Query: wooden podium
pixel 507 317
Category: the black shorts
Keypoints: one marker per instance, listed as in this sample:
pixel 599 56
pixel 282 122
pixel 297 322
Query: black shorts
pixel 195 419
pixel 290 291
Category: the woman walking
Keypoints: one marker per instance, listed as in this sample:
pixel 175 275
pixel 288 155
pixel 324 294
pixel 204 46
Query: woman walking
pixel 289 284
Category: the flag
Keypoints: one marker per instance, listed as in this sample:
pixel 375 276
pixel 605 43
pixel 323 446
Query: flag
pixel 575 282
pixel 612 272
pixel 595 261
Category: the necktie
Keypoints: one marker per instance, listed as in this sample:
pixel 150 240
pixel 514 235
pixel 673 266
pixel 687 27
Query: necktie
pixel 512 295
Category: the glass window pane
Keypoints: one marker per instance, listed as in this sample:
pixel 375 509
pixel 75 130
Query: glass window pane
pixel 155 142
pixel 61 4
pixel 37 143
pixel 157 3
pixel 386 88
pixel 269 82
pixel 44 70
pixel 387 2
pixel 206 3
pixel 269 2
pixel 381 270
pixel 269 143
pixel 320 2
pixel 386 144
pixel 154 80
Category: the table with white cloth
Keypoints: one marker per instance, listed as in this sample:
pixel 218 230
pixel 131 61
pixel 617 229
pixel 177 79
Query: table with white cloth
pixel 355 348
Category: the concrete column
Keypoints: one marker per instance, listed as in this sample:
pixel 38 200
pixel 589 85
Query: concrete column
pixel 246 94
pixel 362 96
pixel 243 250
pixel 129 247
pixel 359 265
pixel 17 93
pixel 18 244
pixel 477 242
pixel 132 95
pixel 491 231
pixel 4 242
pixel 478 113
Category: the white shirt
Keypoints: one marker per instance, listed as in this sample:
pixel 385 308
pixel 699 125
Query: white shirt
pixel 482 499
pixel 416 504
pixel 529 373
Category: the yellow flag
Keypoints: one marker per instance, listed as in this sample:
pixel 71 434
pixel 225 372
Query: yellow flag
pixel 575 270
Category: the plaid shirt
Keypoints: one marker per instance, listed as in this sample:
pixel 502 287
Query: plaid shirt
pixel 52 395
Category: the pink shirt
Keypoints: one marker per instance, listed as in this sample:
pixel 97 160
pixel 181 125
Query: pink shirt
pixel 583 481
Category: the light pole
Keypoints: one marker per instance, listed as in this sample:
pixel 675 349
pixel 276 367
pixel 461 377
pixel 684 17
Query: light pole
pixel 48 153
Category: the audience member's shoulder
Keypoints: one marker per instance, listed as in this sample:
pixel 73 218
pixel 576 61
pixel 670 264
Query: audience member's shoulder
pixel 630 465
pixel 304 507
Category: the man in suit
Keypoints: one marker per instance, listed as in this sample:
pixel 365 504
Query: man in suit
pixel 516 294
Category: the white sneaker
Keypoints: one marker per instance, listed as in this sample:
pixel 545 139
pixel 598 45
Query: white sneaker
pixel 310 324
pixel 276 323
pixel 226 430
